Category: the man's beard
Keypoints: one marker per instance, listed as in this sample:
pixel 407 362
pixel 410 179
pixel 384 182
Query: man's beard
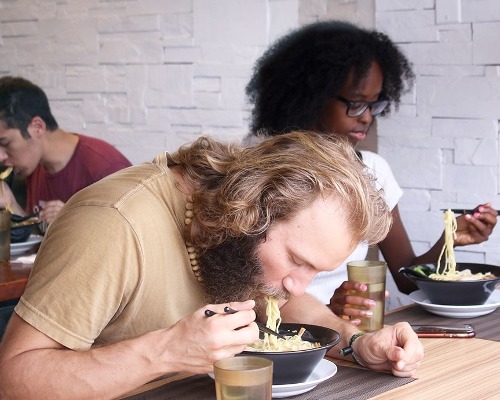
pixel 232 271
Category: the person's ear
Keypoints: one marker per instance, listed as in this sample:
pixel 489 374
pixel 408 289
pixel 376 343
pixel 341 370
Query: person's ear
pixel 37 127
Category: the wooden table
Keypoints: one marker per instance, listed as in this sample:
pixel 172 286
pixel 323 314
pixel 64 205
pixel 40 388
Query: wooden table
pixel 454 369
pixel 459 369
pixel 13 279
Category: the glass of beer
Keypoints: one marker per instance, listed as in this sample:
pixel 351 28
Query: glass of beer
pixel 243 378
pixel 372 274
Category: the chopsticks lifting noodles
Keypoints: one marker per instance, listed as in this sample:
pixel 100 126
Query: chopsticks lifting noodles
pixel 262 327
pixel 265 329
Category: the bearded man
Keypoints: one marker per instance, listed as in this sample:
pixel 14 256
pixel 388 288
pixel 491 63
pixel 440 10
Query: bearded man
pixel 121 283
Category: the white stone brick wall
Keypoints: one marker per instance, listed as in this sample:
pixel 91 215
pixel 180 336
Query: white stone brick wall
pixel 456 106
pixel 443 144
pixel 145 75
pixel 445 153
pixel 150 75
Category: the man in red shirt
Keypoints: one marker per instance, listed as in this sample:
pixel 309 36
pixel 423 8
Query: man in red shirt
pixel 56 163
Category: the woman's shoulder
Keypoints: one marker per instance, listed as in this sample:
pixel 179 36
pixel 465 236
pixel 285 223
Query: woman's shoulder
pixel 380 169
pixel 371 156
pixel 374 161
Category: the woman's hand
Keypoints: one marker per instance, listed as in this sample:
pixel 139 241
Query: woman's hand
pixel 342 302
pixel 476 228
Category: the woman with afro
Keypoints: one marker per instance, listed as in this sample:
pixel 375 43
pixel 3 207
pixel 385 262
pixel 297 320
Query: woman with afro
pixel 336 78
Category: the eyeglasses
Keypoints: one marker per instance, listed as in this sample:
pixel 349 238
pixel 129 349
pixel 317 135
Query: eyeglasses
pixel 356 108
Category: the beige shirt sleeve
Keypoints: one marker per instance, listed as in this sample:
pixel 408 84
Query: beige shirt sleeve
pixel 114 264
pixel 88 283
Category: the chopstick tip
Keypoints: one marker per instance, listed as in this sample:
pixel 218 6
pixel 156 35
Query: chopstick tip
pixel 209 313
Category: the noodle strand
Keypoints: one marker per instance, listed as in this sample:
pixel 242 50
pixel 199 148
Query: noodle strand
pixel 274 343
pixel 448 271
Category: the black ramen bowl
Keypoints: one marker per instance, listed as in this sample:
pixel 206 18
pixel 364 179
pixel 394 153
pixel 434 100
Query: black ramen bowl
pixel 455 293
pixel 296 366
pixel 21 228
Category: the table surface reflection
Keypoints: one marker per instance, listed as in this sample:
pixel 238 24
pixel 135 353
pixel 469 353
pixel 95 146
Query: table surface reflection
pixel 13 279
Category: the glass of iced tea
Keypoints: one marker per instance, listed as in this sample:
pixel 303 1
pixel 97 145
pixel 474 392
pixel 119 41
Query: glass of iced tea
pixel 243 378
pixel 372 274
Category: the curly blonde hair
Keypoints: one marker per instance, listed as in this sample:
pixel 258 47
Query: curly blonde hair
pixel 242 191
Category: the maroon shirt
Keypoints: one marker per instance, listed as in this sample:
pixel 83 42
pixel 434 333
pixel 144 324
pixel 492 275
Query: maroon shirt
pixel 92 160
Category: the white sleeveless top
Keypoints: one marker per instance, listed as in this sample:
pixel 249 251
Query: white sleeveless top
pixel 325 283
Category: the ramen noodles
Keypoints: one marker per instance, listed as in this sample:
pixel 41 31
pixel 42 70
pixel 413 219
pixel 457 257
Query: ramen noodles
pixel 274 343
pixel 448 271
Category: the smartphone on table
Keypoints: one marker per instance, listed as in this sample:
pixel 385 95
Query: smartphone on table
pixel 440 331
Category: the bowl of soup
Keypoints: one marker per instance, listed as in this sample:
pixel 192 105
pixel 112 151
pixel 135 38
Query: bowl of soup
pixel 21 228
pixel 475 283
pixel 295 365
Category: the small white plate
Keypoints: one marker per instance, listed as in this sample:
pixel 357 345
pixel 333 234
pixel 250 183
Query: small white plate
pixel 20 248
pixel 491 305
pixel 323 371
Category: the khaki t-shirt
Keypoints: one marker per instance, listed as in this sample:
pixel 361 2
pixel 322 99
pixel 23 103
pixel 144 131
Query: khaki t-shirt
pixel 114 265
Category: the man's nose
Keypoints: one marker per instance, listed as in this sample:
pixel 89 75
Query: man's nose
pixel 3 155
pixel 298 282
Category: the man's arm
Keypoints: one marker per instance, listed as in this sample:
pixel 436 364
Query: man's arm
pixel 33 366
pixel 394 348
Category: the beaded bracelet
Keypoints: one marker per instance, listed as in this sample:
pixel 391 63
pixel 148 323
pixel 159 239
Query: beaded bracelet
pixel 349 350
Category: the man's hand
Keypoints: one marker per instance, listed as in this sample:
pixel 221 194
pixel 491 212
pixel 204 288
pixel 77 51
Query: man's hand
pixel 50 209
pixel 194 343
pixel 395 348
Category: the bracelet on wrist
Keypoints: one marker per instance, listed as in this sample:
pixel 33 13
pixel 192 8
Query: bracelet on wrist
pixel 350 351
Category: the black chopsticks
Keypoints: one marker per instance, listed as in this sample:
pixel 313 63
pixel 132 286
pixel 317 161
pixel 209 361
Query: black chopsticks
pixel 461 210
pixel 265 329
pixel 262 327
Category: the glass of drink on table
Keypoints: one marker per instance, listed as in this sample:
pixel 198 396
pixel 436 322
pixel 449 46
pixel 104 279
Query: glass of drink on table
pixel 245 378
pixel 372 274
pixel 4 235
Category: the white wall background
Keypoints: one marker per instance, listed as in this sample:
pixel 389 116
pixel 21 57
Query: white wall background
pixel 150 75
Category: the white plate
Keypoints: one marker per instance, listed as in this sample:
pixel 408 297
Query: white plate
pixel 323 371
pixel 491 305
pixel 20 248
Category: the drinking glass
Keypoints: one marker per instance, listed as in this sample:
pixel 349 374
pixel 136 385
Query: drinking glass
pixel 243 378
pixel 4 235
pixel 372 274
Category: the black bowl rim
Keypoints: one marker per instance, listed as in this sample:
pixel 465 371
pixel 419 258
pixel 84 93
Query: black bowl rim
pixel 21 232
pixel 30 225
pixel 292 326
pixel 460 266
